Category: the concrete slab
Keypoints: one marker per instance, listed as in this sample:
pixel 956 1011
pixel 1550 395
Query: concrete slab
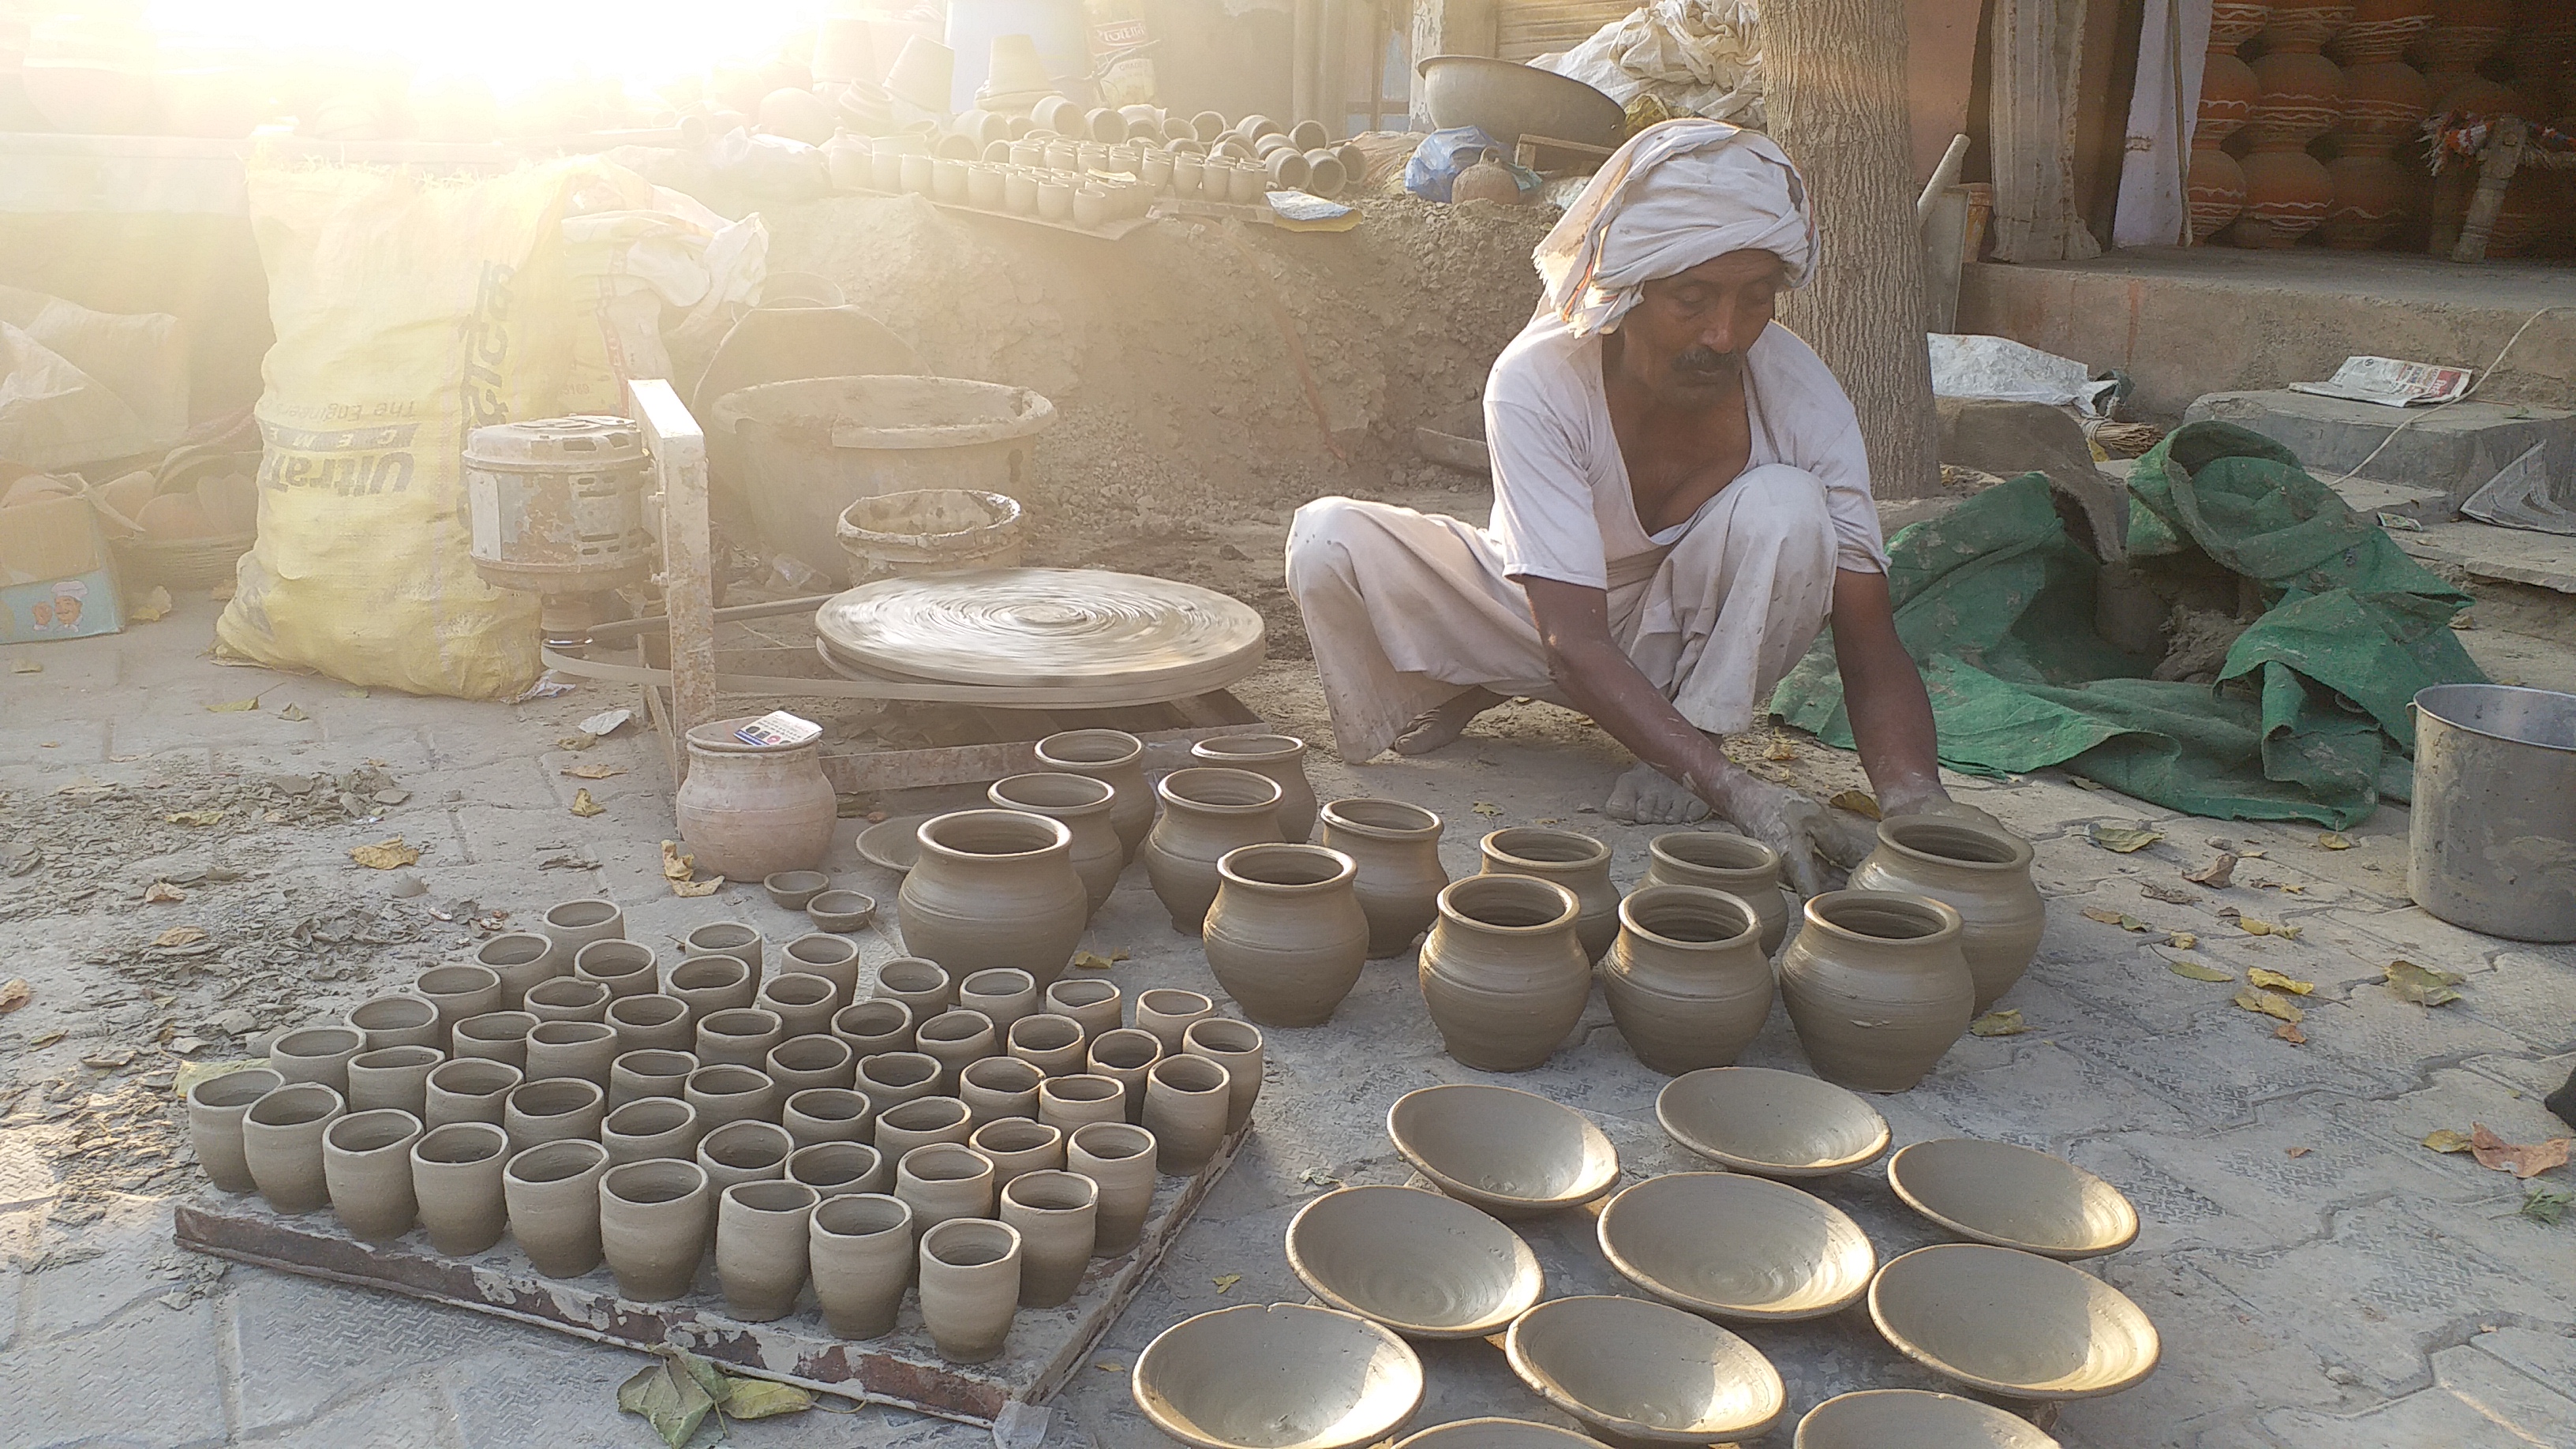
pixel 2484 551
pixel 2455 450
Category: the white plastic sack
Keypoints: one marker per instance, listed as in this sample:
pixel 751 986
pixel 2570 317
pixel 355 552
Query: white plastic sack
pixel 78 386
pixel 1700 57
pixel 1997 367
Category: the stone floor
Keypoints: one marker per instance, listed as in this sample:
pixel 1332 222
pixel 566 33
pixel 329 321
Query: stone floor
pixel 2318 1277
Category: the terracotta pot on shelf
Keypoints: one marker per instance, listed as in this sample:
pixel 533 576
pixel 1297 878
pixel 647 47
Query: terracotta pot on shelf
pixel 282 1144
pixel 1502 973
pixel 2287 191
pixel 456 1180
pixel 1116 759
pixel 1286 936
pixel 2233 22
pixel 1688 983
pixel 216 1106
pixel 762 1230
pixel 1056 1215
pixel 750 811
pixel 861 1254
pixel 653 1223
pixel 2464 33
pixel 2305 25
pixel 2380 31
pixel 1396 850
pixel 1207 811
pixel 1120 1158
pixel 2287 195
pixel 551 1194
pixel 366 1164
pixel 970 1287
pixel 995 888
pixel 1082 804
pixel 1877 987
pixel 1573 860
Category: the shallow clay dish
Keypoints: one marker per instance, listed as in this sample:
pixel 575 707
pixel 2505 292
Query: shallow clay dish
pixel 1642 1373
pixel 1280 1376
pixel 2012 1323
pixel 894 844
pixel 1737 1247
pixel 791 890
pixel 1424 1265
pixel 840 912
pixel 2013 1197
pixel 1497 1434
pixel 1881 1418
pixel 1771 1123
pixel 1512 1153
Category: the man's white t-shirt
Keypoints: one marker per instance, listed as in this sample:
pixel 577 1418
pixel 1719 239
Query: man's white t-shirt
pixel 1563 508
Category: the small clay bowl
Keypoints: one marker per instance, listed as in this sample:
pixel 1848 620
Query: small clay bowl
pixel 1275 1376
pixel 1771 1123
pixel 1641 1373
pixel 2012 1323
pixel 791 890
pixel 840 912
pixel 2013 1197
pixel 1781 1254
pixel 1497 1434
pixel 894 844
pixel 1917 1418
pixel 1512 1153
pixel 1424 1265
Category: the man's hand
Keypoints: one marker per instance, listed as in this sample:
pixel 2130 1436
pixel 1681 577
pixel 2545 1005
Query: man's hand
pixel 1780 818
pixel 1939 803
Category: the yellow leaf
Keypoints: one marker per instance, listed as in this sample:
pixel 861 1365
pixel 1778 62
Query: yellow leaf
pixel 676 866
pixel 575 742
pixel 48 1038
pixel 696 888
pixel 1781 750
pixel 2269 1003
pixel 2121 839
pixel 195 817
pixel 2445 1139
pixel 585 806
pixel 293 712
pixel 1486 807
pixel 180 936
pixel 762 1399
pixel 353 694
pixel 151 607
pixel 2114 918
pixel 1090 961
pixel 24 665
pixel 1859 802
pixel 2421 984
pixel 2253 927
pixel 2182 940
pixel 14 994
pixel 2266 976
pixel 387 854
pixel 234 706
pixel 1224 1281
pixel 2198 972
pixel 2331 840
pixel 2006 1022
pixel 593 772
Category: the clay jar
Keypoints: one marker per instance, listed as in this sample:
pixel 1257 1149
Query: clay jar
pixel 1082 804
pixel 216 1106
pixel 366 1163
pixel 954 1039
pixel 1002 996
pixel 551 1194
pixel 891 1079
pixel 922 1122
pixel 802 1063
pixel 1206 813
pixel 1115 758
pixel 1688 983
pixel 1877 987
pixel 1016 1145
pixel 992 889
pixel 1237 1047
pixel 648 1128
pixel 1056 1215
pixel 653 1223
pixel 827 1114
pixel 553 1111
pixel 1185 1108
pixel 457 992
pixel 744 1152
pixel 761 1230
pixel 575 924
pixel 750 811
pixel 833 1168
pixel 1980 872
pixel 970 1287
pixel 861 1253
pixel 1071 1103
pixel 1286 937
pixel 1119 1158
pixel 706 984
pixel 943 1180
pixel 1396 849
pixel 282 1144
pixel 317 1054
pixel 521 959
pixel 1123 1056
pixel 924 989
pixel 727 1093
pixel 994 1088
pixel 1165 1014
pixel 649 1072
pixel 392 1021
pixel 1055 1045
pixel 583 1049
pixel 1715 860
pixel 1091 1002
pixel 871 1027
pixel 495 1036
pixel 1579 863
pixel 650 1023
pixel 567 998
pixel 456 1179
pixel 1280 759
pixel 725 938
pixel 1502 972
pixel 834 958
pixel 740 1037
pixel 467 1091
pixel 626 968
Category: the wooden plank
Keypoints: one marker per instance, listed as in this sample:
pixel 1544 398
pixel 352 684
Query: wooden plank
pixel 1526 29
pixel 1448 27
pixel 679 451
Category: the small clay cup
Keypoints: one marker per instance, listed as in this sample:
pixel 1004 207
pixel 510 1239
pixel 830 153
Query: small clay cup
pixel 651 1022
pixel 761 1230
pixel 575 924
pixel 744 1152
pixel 741 1037
pixel 1125 1056
pixel 875 1026
pixel 828 1114
pixel 789 890
pixel 216 1106
pixel 1120 1158
pixel 841 912
pixel 922 1122
pixel 457 992
pixel 970 1287
pixel 568 998
pixel 551 1193
pixel 471 1090
pixel 394 1076
pixel 1055 1045
pixel 1166 1015
pixel 651 1072
pixel 366 1164
pixel 834 958
pixel 923 986
pixel 861 1253
pixel 802 1063
pixel 626 968
pixel 391 1021
pixel 495 1036
pixel 521 959
pixel 944 1180
pixel 654 1218
pixel 999 1087
pixel 726 938
pixel 1185 1106
pixel 1003 995
pixel 1237 1047
pixel 802 1003
pixel 1078 1101
pixel 1056 1215
pixel 954 1038
pixel 833 1168
pixel 456 1179
pixel 555 1110
pixel 727 1093
pixel 1090 1001
pixel 708 984
pixel 650 1127
pixel 317 1054
pixel 893 1078
pixel 1016 1144
pixel 583 1049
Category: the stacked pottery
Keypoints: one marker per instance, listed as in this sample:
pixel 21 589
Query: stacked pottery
pixel 1877 987
pixel 992 889
pixel 2463 35
pixel 2215 185
pixel 1395 848
pixel 1206 812
pixel 2380 31
pixel 2384 103
pixel 2299 97
pixel 1503 975
pixel 1688 983
pixel 1286 937
pixel 1980 872
pixel 750 811
pixel 1577 862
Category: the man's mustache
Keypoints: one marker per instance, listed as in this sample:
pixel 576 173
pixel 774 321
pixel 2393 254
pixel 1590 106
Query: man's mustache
pixel 1707 361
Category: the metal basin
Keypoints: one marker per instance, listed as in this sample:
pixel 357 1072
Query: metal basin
pixel 1505 99
pixel 2493 842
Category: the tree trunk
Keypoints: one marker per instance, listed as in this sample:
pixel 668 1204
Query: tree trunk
pixel 1835 90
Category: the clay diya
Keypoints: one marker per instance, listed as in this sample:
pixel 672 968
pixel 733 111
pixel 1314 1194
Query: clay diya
pixel 2013 1197
pixel 790 890
pixel 2011 1323
pixel 1783 1254
pixel 1876 1418
pixel 1771 1123
pixel 1642 1373
pixel 1275 1376
pixel 840 912
pixel 1511 1153
pixel 1424 1265
pixel 893 844
pixel 1497 1434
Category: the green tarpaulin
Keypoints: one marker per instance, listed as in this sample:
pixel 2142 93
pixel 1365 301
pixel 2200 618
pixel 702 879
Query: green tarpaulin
pixel 2308 718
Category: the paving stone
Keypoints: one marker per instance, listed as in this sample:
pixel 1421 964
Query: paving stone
pixel 2229 1064
pixel 2504 1393
pixel 2527 994
pixel 78 1296
pixel 2454 1098
pixel 2546 1355
pixel 2434 1417
pixel 148 1379
pixel 302 1345
pixel 409 1414
pixel 2219 1361
pixel 26 1173
pixel 2051 1092
pixel 2428 940
pixel 2372 1026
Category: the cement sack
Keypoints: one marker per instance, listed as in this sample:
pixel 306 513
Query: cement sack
pixel 1698 57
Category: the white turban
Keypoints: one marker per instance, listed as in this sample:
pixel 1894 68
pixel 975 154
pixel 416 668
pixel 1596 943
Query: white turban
pixel 1677 194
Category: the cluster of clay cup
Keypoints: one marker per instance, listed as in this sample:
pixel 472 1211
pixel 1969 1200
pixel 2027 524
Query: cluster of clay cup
pixel 978 1137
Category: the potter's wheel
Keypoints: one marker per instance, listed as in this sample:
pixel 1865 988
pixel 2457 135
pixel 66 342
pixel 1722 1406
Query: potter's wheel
pixel 1115 638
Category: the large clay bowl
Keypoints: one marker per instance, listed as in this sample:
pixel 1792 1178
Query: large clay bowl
pixel 1642 1373
pixel 1512 1153
pixel 1497 1434
pixel 1917 1419
pixel 2012 1323
pixel 1280 1376
pixel 1771 1123
pixel 1424 1265
pixel 2013 1197
pixel 1737 1247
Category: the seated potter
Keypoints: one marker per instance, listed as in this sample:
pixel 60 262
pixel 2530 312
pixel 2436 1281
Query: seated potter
pixel 1681 504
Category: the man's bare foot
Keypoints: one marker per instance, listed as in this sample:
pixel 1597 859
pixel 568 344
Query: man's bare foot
pixel 1438 726
pixel 1647 796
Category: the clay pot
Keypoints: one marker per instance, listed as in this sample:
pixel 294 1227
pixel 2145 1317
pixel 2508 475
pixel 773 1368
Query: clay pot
pixel 469 1090
pixel 1716 860
pixel 953 1039
pixel 457 992
pixel 456 1180
pixel 995 889
pixel 873 1027
pixel 970 1287
pixel 1286 167
pixel 650 1022
pixel 1120 1160
pixel 650 1127
pixel 2305 25
pixel 2380 30
pixel 2298 97
pixel 2383 104
pixel 828 1114
pixel 653 1223
pixel 1055 201
pixel 1786 1255
pixel 994 1088
pixel 1189 175
pixel 1237 1047
pixel 2463 34
pixel 706 984
pixel 395 1077
pixel 2012 1324
pixel 834 1168
pixel 1981 873
pixel 1510 1153
pixel 803 1063
pixel 1015 1145
pixel 2227 92
pixel 1055 1214
pixel 727 1092
pixel 1502 972
pixel 1487 180
pixel 521 959
pixel 495 1036
pixel 1186 1099
pixel 1771 1123
pixel 861 1255
pixel 651 1072
pixel 1286 936
pixel 893 1078
pixel 834 958
pixel 2287 194
pixel 1280 759
pixel 922 1122
pixel 1124 1056
pixel 1003 996
pixel 551 1194
pixel 2013 1197
pixel 2215 190
pixel 984 182
pixel 583 1049
pixel 1166 1015
pixel 575 924
pixel 743 1152
pixel 1091 1002
pixel 1424 1265
pixel 366 1165
pixel 2233 22
pixel 568 998
pixel 215 1109
pixel 761 1232
pixel 1054 1045
pixel 1396 848
pixel 1637 1372
pixel 1114 758
pixel 1351 1379
pixel 1687 980
pixel 726 938
pixel 317 1054
pixel 1578 862
pixel 740 1037
pixel 1206 813
pixel 922 986
pixel 395 1021
pixel 944 1180
pixel 1877 987
pixel 562 1109
pixel 750 811
pixel 1872 1418
pixel 1072 1103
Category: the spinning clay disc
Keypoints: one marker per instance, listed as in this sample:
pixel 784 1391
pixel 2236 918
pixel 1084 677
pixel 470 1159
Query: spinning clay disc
pixel 1047 628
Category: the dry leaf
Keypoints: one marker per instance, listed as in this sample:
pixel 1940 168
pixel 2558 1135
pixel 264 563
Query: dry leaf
pixel 1486 807
pixel 15 993
pixel 2269 1003
pixel 2216 874
pixel 2198 972
pixel 2251 854
pixel 2253 927
pixel 1105 1366
pixel 593 772
pixel 1090 961
pixel 2446 1139
pixel 676 866
pixel 1859 802
pixel 180 936
pixel 696 888
pixel 234 706
pixel 2170 895
pixel 24 665
pixel 2546 1205
pixel 2182 940
pixel 2333 840
pixel 2266 976
pixel 195 817
pixel 387 854
pixel 2520 1159
pixel 162 893
pixel 48 1038
pixel 584 806
pixel 293 712
pixel 1224 1281
pixel 2080 783
pixel 763 1399
pixel 353 694
pixel 1781 750
pixel 2289 1032
pixel 152 607
pixel 2422 984
pixel 574 742
pixel 2298 1152
pixel 2004 1022
pixel 2121 838
pixel 2114 918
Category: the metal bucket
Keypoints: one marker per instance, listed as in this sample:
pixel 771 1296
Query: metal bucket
pixel 930 530
pixel 2493 846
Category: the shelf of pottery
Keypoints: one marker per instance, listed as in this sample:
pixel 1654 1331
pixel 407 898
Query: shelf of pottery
pixel 2319 135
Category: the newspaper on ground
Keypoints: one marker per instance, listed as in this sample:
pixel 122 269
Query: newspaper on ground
pixel 2392 382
